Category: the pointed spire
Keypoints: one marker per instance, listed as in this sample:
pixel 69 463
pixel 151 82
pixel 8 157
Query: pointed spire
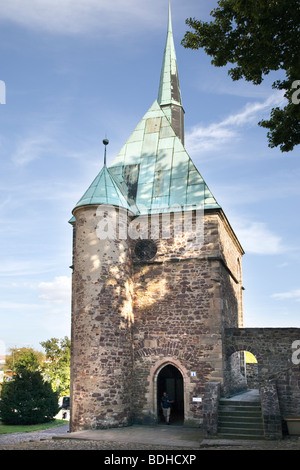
pixel 169 95
pixel 104 189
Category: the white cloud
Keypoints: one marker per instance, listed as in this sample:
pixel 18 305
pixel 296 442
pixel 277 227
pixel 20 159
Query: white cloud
pixel 209 137
pixel 215 135
pixel 58 291
pixel 293 294
pixel 257 238
pixel 19 306
pixel 19 268
pixel 81 16
pixel 30 149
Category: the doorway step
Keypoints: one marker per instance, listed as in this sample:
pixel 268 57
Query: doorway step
pixel 240 417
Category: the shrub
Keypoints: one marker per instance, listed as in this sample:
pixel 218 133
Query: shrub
pixel 28 399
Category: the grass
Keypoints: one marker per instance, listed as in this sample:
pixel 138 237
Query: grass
pixel 8 429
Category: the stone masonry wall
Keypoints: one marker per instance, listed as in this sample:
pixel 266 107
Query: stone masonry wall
pixel 180 299
pixel 274 349
pixel 231 253
pixel 210 408
pixel 101 358
pixel 130 317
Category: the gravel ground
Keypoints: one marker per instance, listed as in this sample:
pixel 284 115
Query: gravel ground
pixel 73 444
pixel 43 440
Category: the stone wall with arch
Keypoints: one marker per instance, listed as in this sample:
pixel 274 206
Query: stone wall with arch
pixel 273 349
pixel 278 376
pixel 147 386
pixel 155 372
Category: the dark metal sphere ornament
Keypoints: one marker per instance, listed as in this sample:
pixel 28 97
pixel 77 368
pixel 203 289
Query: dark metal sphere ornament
pixel 106 142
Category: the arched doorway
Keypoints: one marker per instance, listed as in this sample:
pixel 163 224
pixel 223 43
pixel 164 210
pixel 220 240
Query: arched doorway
pixel 170 380
pixel 243 372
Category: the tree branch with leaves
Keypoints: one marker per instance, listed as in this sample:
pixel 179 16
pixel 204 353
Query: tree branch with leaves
pixel 56 368
pixel 257 37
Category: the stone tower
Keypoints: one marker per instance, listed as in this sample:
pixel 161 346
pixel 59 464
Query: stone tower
pixel 156 277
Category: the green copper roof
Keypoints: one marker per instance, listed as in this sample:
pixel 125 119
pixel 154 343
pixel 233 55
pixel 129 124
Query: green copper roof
pixel 104 190
pixel 156 170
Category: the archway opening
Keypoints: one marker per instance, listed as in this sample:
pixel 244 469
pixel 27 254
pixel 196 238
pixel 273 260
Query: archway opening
pixel 170 380
pixel 244 372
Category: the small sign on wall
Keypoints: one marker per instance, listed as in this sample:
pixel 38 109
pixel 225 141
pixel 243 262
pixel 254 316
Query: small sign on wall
pixel 193 374
pixel 197 399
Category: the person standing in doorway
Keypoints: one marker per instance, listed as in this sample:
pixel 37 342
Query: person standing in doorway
pixel 166 406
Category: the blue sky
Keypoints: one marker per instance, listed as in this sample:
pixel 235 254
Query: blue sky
pixel 79 70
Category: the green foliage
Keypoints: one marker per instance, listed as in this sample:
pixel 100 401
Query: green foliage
pixel 54 365
pixel 284 124
pixel 257 36
pixel 57 366
pixel 24 357
pixel 28 361
pixel 28 399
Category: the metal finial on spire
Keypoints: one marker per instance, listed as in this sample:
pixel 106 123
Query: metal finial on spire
pixel 105 142
pixel 170 19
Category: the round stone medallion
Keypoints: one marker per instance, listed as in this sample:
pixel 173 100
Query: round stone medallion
pixel 145 249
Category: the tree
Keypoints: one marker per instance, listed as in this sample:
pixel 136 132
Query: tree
pixel 25 356
pixel 56 368
pixel 28 399
pixel 257 36
pixel 27 361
